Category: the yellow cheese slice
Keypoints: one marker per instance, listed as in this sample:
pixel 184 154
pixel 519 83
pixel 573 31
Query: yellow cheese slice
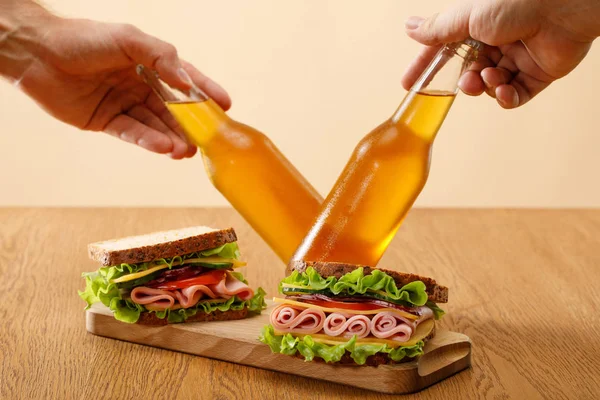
pixel 140 274
pixel 343 310
pixel 126 278
pixel 422 331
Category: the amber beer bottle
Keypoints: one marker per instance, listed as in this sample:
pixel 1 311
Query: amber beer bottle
pixel 387 169
pixel 246 167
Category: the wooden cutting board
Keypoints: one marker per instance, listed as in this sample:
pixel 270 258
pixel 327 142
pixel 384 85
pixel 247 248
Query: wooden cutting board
pixel 237 341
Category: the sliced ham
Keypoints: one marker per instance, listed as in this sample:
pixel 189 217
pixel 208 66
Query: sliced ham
pixel 425 313
pixel 389 325
pixel 288 319
pixel 190 296
pixel 231 286
pixel 160 300
pixel 153 299
pixel 337 324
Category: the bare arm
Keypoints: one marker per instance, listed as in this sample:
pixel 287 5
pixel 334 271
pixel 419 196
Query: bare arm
pixel 83 73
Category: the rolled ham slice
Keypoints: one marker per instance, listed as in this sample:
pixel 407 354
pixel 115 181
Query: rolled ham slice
pixel 153 299
pixel 425 313
pixel 190 296
pixel 388 325
pixel 288 319
pixel 337 324
pixel 231 286
pixel 160 300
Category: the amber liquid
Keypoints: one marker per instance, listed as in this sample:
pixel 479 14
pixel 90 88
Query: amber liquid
pixel 258 181
pixel 379 185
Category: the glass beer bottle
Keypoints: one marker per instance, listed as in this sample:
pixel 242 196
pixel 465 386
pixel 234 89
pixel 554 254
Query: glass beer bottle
pixel 246 167
pixel 388 169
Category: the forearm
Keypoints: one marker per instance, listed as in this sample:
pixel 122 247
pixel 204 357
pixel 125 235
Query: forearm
pixel 22 26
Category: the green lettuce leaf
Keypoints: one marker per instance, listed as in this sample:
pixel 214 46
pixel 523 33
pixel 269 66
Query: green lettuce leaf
pixel 377 283
pixel 99 288
pixel 257 303
pixel 289 345
pixel 228 250
pixel 437 311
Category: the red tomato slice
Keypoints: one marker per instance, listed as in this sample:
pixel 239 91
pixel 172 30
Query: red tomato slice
pixel 208 278
pixel 344 305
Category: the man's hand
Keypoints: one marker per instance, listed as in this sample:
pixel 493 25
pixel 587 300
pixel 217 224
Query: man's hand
pixel 83 73
pixel 531 43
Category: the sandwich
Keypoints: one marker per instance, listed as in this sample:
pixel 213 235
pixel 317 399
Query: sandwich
pixel 349 314
pixel 183 275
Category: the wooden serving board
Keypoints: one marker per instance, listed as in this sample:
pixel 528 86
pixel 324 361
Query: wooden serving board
pixel 237 341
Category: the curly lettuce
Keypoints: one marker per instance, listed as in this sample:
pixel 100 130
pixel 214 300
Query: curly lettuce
pixel 309 349
pixel 357 283
pixel 99 287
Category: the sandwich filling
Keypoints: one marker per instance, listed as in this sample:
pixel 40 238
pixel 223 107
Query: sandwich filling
pixel 357 314
pixel 174 288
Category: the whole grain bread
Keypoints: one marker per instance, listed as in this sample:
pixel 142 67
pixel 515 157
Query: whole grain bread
pixel 147 318
pixel 156 245
pixel 436 293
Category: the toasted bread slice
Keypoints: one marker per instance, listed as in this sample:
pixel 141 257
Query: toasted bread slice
pixel 156 245
pixel 147 318
pixel 437 293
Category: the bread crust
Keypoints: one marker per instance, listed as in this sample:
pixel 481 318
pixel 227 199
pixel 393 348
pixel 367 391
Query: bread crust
pixel 148 318
pixel 169 249
pixel 435 292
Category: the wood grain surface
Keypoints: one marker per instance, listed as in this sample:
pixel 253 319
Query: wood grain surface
pixel 237 341
pixel 523 287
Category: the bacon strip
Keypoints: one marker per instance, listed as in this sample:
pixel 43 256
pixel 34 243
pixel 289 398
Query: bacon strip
pixel 288 319
pixel 337 324
pixel 388 325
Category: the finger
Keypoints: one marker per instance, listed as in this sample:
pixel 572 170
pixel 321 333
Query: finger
pixel 418 65
pixel 152 53
pixel 494 77
pixel 449 26
pixel 158 108
pixel 210 87
pixel 521 90
pixel 148 118
pixel 132 131
pixel 471 83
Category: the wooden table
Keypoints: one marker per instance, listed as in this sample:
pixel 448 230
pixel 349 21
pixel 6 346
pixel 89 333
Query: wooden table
pixel 523 285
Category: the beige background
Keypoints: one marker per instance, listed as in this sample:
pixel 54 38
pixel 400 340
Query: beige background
pixel 316 76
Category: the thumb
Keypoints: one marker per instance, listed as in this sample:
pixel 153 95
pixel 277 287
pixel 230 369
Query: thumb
pixel 449 26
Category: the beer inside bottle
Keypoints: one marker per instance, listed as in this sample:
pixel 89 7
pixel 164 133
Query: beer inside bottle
pixel 387 169
pixel 246 167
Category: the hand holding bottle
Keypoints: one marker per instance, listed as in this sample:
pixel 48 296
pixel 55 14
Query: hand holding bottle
pixel 82 72
pixel 530 43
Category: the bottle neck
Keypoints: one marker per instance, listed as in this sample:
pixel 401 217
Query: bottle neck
pixel 425 107
pixel 201 120
pixel 449 64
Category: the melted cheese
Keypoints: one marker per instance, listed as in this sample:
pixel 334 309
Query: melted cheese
pixel 423 330
pixel 130 277
pixel 343 310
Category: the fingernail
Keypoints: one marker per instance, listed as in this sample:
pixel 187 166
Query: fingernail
pixel 515 99
pixel 184 76
pixel 413 22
